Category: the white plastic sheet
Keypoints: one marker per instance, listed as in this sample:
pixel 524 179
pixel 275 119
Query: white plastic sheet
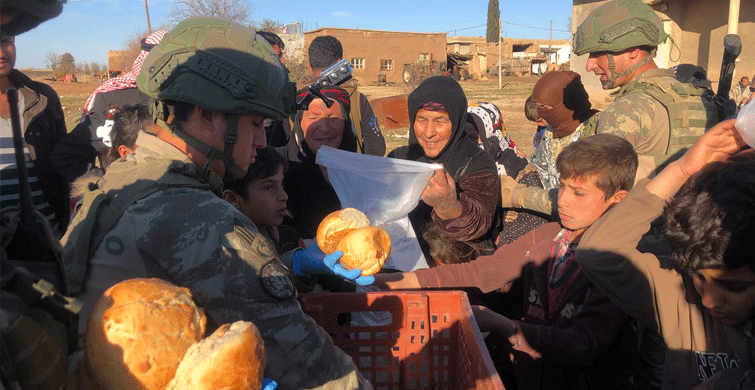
pixel 386 190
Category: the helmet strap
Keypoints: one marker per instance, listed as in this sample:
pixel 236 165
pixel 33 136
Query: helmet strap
pixel 226 155
pixel 231 134
pixel 611 80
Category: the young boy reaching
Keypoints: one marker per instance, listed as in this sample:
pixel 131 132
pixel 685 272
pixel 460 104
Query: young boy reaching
pixel 702 300
pixel 260 196
pixel 571 335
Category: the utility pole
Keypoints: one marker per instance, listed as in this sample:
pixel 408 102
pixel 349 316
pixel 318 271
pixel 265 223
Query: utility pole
pixel 550 42
pixel 500 60
pixel 146 8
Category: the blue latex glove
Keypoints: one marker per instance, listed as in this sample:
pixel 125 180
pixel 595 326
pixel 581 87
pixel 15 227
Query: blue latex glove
pixel 269 384
pixel 312 261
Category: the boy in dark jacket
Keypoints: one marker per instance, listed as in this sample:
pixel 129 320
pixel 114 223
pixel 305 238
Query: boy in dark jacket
pixel 571 335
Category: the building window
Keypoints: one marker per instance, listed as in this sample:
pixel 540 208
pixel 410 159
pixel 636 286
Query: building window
pixel 386 64
pixel 357 63
pixel 424 56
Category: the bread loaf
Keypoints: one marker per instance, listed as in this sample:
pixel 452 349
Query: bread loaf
pixel 232 358
pixel 366 249
pixel 336 225
pixel 138 331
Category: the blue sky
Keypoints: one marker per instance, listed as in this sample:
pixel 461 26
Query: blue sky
pixel 89 28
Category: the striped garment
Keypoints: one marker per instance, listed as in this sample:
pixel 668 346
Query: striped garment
pixel 9 187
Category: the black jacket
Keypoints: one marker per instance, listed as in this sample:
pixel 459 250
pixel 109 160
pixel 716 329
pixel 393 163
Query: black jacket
pixel 45 127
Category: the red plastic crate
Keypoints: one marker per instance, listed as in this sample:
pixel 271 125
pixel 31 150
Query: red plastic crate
pixel 433 341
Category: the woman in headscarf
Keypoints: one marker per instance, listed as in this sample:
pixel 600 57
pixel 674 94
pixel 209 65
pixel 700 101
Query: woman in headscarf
pixel 563 102
pixel 310 195
pixel 456 219
pixel 484 119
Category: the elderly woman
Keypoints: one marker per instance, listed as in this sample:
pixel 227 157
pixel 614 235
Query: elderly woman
pixel 457 219
pixel 310 195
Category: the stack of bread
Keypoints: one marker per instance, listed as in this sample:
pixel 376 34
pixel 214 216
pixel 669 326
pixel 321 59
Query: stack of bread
pixel 348 230
pixel 147 334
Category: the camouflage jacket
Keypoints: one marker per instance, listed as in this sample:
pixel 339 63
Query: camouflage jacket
pixel 189 236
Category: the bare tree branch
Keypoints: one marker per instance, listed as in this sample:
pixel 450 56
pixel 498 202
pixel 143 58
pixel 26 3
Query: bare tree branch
pixel 52 60
pixel 234 10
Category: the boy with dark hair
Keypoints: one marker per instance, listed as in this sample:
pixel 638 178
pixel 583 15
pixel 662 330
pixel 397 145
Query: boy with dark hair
pixel 127 123
pixel 276 42
pixel 710 226
pixel 260 196
pixel 571 336
pixel 323 52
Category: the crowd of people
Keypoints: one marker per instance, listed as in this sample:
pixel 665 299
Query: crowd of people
pixel 618 255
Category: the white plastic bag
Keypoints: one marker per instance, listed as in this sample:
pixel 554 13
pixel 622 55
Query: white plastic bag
pixel 745 123
pixel 386 190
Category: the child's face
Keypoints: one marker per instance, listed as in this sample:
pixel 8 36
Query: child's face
pixel 729 295
pixel 581 202
pixel 266 203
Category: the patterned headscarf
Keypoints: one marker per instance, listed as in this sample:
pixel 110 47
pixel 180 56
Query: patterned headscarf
pixel 128 80
pixel 486 119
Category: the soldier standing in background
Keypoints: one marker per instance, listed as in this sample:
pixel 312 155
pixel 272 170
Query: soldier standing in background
pixel 214 82
pixel 656 113
pixel 659 115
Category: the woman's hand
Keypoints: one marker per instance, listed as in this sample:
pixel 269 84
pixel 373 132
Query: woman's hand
pixel 440 194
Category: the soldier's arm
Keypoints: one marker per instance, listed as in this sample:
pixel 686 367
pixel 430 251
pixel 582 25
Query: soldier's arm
pixel 518 195
pixel 235 274
pixel 539 199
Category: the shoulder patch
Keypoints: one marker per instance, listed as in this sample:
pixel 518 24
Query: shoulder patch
pixel 276 281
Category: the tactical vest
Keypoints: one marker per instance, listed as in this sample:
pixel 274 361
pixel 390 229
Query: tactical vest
pixel 691 112
pixel 106 200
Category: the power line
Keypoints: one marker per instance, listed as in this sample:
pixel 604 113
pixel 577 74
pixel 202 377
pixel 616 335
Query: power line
pixel 510 23
pixel 467 28
pixel 536 28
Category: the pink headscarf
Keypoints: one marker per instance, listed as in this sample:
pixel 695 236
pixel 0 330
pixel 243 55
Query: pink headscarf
pixel 127 80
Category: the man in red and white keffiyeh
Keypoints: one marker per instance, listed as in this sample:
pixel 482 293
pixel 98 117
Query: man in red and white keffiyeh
pixel 127 80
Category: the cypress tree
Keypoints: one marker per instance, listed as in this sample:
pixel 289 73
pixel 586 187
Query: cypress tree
pixel 494 15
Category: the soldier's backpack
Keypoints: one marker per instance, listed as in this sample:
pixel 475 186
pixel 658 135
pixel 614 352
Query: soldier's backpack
pixel 98 213
pixel 691 111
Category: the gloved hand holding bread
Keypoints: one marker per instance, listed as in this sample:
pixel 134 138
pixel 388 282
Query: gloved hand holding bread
pixel 364 247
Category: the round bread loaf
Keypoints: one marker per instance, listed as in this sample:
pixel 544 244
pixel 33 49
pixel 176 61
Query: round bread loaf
pixel 232 358
pixel 138 332
pixel 336 225
pixel 365 248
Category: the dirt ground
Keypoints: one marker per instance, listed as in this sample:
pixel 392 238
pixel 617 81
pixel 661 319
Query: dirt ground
pixel 510 99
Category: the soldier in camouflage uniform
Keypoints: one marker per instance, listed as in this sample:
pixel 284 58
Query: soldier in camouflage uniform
pixel 656 113
pixel 214 83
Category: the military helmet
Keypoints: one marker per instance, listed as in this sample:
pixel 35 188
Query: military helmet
pixel 27 14
pixel 619 25
pixel 218 65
